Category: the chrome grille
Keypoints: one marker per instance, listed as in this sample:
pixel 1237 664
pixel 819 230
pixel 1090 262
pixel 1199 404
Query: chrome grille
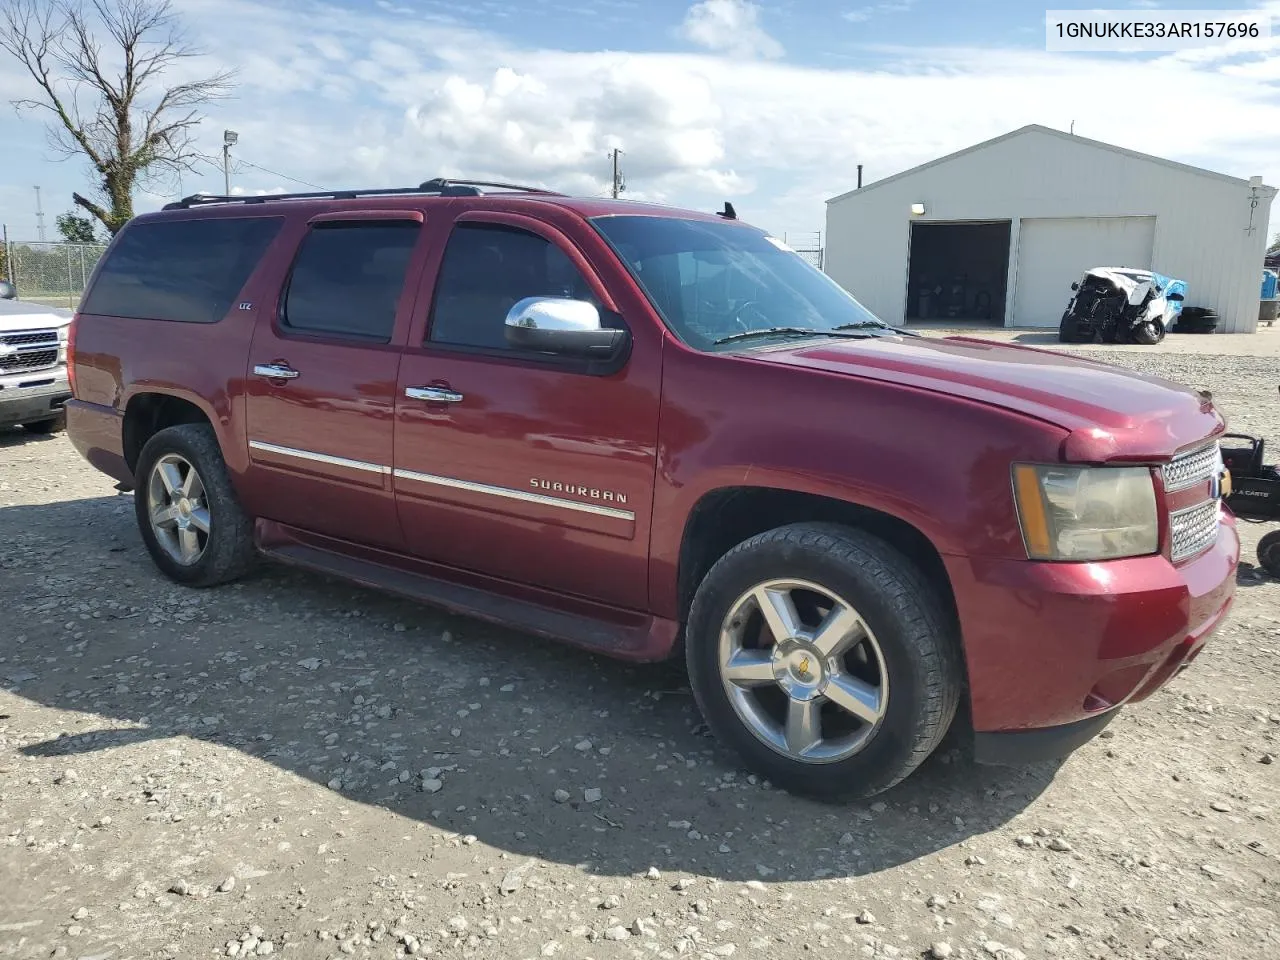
pixel 1193 467
pixel 27 350
pixel 28 336
pixel 1193 529
pixel 29 361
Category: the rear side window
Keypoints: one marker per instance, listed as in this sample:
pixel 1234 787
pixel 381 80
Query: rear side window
pixel 189 271
pixel 347 278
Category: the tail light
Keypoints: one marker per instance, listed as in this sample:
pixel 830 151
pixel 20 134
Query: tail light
pixel 71 352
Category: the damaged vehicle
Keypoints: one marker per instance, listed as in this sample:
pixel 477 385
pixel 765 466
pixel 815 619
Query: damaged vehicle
pixel 1121 305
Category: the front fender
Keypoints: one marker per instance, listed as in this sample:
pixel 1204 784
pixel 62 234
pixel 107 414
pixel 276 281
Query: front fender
pixel 936 462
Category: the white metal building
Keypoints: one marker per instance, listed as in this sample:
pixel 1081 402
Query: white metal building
pixel 996 233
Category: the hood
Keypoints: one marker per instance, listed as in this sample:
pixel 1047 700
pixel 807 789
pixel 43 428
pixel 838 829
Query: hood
pixel 24 315
pixel 1109 413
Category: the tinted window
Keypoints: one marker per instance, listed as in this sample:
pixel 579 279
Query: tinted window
pixel 185 270
pixel 347 278
pixel 486 269
pixel 714 279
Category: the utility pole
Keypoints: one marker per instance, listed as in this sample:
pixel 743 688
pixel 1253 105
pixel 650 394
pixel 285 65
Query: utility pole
pixel 39 217
pixel 618 185
pixel 229 140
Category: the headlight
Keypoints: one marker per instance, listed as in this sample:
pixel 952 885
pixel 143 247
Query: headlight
pixel 1086 513
pixel 62 343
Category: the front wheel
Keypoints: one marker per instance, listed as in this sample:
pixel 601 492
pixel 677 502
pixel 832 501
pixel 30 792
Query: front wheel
pixel 187 512
pixel 1148 333
pixel 46 426
pixel 824 658
pixel 1269 553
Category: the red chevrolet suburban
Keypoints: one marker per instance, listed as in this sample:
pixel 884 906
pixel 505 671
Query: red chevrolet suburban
pixel 653 432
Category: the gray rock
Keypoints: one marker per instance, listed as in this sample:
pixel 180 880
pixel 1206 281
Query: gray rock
pixel 617 933
pixel 865 917
pixel 1060 845
pixel 611 902
pixel 561 796
pixel 432 785
pixel 592 794
pixel 180 887
pixel 227 885
pixel 940 950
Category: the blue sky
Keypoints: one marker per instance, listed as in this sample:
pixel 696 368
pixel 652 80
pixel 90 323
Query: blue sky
pixel 770 103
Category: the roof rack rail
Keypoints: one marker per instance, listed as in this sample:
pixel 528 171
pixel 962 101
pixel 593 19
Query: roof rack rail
pixel 439 187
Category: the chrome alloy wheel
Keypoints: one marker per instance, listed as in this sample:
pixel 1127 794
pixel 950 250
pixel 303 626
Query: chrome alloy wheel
pixel 178 509
pixel 803 670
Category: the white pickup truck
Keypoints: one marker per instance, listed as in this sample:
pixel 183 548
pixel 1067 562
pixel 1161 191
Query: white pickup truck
pixel 33 363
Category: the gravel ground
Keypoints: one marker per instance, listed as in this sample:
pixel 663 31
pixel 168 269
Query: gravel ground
pixel 294 765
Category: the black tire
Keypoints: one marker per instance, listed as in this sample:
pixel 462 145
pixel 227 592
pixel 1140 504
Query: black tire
pixel 1069 330
pixel 51 425
pixel 918 640
pixel 1148 334
pixel 229 552
pixel 1269 553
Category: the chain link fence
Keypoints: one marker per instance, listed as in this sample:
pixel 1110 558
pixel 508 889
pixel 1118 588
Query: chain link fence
pixel 51 273
pixel 808 245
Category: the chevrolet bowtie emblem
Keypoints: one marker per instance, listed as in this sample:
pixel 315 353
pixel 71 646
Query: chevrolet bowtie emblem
pixel 804 665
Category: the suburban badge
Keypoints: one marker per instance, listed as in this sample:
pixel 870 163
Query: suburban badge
pixel 593 493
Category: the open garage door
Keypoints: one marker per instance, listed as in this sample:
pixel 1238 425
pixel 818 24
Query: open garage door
pixel 1054 252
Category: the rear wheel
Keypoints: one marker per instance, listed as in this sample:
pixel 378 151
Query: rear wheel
pixel 824 658
pixel 187 511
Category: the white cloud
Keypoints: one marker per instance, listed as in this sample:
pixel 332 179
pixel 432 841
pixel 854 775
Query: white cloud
pixel 863 14
pixel 729 26
pixel 369 98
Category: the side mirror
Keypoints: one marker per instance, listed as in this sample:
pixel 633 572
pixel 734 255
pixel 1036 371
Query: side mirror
pixel 8 291
pixel 563 326
pixel 1075 286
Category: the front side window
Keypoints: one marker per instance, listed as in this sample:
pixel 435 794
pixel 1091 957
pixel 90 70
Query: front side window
pixel 714 282
pixel 347 279
pixel 186 271
pixel 486 269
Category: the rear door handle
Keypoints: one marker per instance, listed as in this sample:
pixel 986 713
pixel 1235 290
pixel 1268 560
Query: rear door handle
pixel 433 394
pixel 275 371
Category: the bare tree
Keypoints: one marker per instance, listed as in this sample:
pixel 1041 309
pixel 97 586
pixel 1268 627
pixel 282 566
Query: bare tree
pixel 99 68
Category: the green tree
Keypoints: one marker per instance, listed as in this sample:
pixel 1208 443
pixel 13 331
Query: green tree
pixel 75 229
pixel 98 68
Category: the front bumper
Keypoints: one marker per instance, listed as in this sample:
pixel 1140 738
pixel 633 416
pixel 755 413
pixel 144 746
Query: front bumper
pixel 31 397
pixel 1056 645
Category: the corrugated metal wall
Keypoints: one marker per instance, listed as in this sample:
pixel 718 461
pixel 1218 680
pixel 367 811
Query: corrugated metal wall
pixel 1201 231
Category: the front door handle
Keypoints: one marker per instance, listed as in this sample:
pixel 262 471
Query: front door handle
pixel 275 371
pixel 433 394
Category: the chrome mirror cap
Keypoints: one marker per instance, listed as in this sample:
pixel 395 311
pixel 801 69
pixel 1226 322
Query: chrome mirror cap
pixel 553 313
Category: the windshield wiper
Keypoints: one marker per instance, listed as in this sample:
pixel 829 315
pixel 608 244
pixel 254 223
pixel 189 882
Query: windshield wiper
pixel 878 325
pixel 864 325
pixel 775 331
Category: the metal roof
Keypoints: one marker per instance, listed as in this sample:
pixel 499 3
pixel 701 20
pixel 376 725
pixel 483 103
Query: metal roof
pixel 1070 137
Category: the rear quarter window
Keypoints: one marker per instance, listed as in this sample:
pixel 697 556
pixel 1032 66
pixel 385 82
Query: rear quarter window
pixel 187 271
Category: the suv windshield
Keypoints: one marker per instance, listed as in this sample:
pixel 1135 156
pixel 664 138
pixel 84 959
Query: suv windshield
pixel 723 285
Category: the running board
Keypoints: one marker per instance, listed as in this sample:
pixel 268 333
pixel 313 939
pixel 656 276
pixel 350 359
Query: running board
pixel 623 634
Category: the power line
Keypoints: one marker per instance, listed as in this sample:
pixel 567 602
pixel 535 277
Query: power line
pixel 282 176
pixel 215 161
